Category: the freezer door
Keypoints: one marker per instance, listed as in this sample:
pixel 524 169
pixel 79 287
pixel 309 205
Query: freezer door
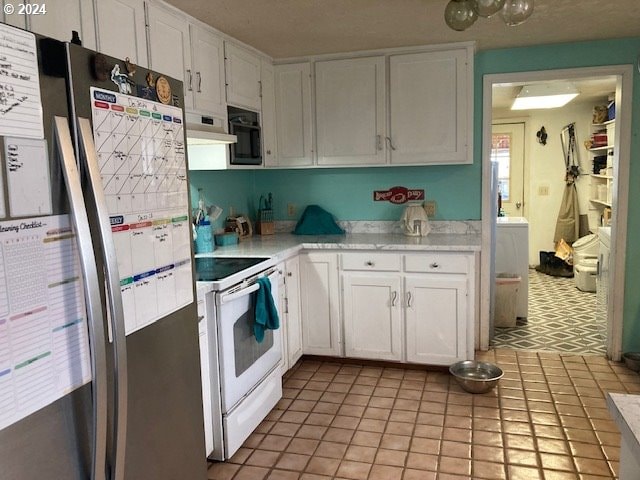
pixel 47 413
pixel 139 140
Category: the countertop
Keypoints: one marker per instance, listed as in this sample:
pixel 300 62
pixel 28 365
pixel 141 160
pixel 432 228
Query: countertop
pixel 625 411
pixel 284 245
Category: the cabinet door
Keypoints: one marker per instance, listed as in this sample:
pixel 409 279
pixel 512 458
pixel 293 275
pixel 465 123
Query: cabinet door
pixel 319 300
pixel 169 47
pixel 121 29
pixel 208 66
pixel 281 304
pixel 293 115
pixel 372 316
pixel 61 17
pixel 430 110
pixel 243 77
pixel 294 325
pixel 13 19
pixel 268 114
pixel 350 111
pixel 436 318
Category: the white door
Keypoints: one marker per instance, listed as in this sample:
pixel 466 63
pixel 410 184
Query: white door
pixel 61 17
pixel 350 111
pixel 293 114
pixel 320 304
pixel 268 114
pixel 428 98
pixel 243 77
pixel 436 317
pixel 372 308
pixel 121 29
pixel 507 148
pixel 169 47
pixel 294 325
pixel 208 74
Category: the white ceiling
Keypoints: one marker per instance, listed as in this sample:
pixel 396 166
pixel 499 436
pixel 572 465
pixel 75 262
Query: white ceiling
pixel 289 28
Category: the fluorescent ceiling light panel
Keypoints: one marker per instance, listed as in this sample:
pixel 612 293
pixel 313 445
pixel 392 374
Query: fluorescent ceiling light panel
pixel 545 95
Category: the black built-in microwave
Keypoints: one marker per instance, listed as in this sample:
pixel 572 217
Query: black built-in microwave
pixel 245 125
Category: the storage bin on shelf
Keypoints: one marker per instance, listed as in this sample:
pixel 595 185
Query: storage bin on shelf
pixel 507 286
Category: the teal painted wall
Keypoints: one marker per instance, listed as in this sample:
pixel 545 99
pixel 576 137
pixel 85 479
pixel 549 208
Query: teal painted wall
pixel 574 55
pixel 347 193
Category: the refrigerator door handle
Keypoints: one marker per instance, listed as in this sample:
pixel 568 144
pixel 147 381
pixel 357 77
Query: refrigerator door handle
pixel 97 339
pixel 114 296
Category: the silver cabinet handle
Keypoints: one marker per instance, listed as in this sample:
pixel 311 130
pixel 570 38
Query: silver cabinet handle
pixel 390 142
pixel 199 82
pixel 190 88
pixel 518 205
pixel 369 263
pixel 434 265
pixel 409 298
pixel 379 142
pixel 394 296
pixel 114 295
pixel 95 320
pixel 289 274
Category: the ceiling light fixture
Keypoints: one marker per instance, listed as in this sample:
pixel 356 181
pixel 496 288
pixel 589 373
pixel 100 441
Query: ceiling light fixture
pixel 545 95
pixel 461 14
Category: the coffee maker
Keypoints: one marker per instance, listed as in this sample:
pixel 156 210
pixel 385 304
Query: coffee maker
pixel 414 221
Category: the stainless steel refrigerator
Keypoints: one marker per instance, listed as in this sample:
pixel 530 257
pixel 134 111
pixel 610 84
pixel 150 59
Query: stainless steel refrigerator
pixel 99 359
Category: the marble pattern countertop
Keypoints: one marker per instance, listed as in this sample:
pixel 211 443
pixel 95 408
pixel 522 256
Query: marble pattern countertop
pixel 625 410
pixel 284 245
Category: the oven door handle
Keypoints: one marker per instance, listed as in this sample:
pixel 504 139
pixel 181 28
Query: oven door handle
pixel 230 297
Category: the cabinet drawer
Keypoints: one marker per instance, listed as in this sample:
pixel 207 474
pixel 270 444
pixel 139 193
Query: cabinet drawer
pixel 385 262
pixel 437 262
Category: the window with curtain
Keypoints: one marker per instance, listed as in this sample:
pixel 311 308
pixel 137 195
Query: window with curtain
pixel 501 153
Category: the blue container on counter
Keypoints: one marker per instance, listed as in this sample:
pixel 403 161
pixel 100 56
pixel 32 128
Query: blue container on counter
pixel 204 237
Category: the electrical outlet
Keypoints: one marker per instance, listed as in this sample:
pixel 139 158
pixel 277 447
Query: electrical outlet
pixel 543 190
pixel 291 209
pixel 430 208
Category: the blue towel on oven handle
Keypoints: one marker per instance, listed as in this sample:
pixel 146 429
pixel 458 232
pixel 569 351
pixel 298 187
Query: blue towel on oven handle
pixel 266 311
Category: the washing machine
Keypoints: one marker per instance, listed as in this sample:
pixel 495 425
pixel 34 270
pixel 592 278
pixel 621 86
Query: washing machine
pixel 512 256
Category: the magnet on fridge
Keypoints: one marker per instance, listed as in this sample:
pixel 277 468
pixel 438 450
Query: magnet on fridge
pixel 131 67
pixel 151 81
pixel 121 80
pixel 176 101
pixel 100 67
pixel 163 90
pixel 145 92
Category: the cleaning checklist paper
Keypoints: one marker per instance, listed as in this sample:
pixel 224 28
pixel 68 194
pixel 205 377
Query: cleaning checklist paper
pixel 141 147
pixel 20 106
pixel 44 347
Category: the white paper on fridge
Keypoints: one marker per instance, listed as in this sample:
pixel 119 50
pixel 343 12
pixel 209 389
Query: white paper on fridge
pixel 44 347
pixel 20 105
pixel 140 146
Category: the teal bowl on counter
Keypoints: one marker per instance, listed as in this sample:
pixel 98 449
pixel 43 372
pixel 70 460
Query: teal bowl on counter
pixel 227 238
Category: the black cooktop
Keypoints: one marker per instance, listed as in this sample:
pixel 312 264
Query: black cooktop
pixel 212 269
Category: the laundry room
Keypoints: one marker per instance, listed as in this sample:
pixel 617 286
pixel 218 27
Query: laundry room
pixel 556 180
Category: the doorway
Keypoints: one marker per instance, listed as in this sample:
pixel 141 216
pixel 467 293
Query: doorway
pixel 535 190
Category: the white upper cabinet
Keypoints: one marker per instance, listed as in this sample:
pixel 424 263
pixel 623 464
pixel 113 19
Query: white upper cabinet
pixel 243 77
pixel 293 115
pixel 169 46
pixel 350 111
pixel 61 17
pixel 208 72
pixel 268 114
pixel 431 109
pixel 121 30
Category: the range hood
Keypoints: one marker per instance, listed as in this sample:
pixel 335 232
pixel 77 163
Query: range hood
pixel 202 130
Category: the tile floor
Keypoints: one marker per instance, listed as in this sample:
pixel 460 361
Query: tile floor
pixel 547 419
pixel 561 319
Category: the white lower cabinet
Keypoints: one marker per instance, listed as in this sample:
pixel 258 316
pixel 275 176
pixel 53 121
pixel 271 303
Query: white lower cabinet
pixel 320 301
pixel 436 318
pixel 289 310
pixel 372 315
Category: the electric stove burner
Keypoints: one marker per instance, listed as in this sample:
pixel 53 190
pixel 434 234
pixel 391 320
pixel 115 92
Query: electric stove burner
pixel 210 269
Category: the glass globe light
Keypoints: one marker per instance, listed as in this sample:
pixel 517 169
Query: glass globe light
pixel 460 14
pixel 516 12
pixel 487 8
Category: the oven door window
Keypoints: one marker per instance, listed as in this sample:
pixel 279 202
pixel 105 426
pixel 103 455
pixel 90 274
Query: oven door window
pixel 247 351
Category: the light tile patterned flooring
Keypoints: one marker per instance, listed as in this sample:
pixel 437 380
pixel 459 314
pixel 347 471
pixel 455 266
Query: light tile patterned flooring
pixel 547 419
pixel 561 319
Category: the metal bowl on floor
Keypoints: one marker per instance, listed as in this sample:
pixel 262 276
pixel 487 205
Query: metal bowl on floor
pixel 476 377
pixel 632 360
